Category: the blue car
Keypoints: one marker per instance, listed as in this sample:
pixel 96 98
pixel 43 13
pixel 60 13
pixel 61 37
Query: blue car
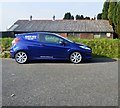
pixel 47 46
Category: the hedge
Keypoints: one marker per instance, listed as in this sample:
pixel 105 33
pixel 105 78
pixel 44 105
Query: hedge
pixel 5 47
pixel 100 47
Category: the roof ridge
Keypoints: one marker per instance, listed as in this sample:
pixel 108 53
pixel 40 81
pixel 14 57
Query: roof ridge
pixel 60 20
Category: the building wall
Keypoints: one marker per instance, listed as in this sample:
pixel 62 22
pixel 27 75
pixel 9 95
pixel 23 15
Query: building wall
pixel 86 35
pixel 90 35
pixel 7 34
pixel 103 35
pixel 70 35
pixel 63 34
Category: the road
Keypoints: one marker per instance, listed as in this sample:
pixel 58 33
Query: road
pixel 60 84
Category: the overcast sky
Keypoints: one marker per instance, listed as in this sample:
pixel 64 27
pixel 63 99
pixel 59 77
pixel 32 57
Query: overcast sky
pixel 13 11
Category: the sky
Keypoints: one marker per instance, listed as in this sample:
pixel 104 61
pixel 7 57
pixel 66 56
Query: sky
pixel 12 11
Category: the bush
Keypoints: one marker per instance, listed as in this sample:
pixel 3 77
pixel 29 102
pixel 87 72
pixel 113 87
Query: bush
pixel 100 47
pixel 5 47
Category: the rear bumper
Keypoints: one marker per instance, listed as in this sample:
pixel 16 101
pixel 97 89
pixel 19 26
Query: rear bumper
pixel 12 53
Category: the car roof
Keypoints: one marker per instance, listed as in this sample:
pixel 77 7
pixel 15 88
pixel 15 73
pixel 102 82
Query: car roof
pixel 33 33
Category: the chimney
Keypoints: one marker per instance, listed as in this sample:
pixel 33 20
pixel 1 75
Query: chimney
pixel 31 18
pixel 95 17
pixel 54 18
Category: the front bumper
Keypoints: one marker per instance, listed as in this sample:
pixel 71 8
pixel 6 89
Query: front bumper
pixel 88 55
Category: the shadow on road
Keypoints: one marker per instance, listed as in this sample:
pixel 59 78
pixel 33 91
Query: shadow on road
pixel 101 60
pixel 93 60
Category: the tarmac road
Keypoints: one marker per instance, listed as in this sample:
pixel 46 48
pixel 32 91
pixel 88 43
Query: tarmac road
pixel 60 84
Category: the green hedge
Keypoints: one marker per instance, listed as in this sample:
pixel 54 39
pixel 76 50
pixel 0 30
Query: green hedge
pixel 5 47
pixel 100 47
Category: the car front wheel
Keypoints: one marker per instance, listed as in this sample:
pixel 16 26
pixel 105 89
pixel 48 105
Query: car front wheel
pixel 76 57
pixel 21 57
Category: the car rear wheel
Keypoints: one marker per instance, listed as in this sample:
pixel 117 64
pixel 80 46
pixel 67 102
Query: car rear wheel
pixel 76 57
pixel 21 57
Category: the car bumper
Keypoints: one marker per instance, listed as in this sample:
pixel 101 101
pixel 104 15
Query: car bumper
pixel 12 53
pixel 88 55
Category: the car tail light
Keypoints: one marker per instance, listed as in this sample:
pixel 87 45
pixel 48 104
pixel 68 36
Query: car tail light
pixel 15 40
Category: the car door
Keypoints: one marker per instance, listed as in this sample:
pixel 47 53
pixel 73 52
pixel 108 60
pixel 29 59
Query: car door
pixel 51 47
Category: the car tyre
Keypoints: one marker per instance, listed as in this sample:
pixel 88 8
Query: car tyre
pixel 21 57
pixel 75 57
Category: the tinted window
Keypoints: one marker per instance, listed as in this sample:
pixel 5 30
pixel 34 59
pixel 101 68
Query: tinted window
pixel 49 39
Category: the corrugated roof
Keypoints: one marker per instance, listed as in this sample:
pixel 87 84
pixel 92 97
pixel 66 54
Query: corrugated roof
pixel 62 26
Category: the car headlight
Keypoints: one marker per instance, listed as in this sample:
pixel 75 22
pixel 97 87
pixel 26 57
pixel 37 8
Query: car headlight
pixel 85 47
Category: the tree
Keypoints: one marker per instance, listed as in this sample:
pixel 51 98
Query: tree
pixel 88 18
pixel 68 16
pixel 72 17
pixel 118 19
pixel 114 18
pixel 82 17
pixel 99 16
pixel 79 17
pixel 105 10
pixel 111 10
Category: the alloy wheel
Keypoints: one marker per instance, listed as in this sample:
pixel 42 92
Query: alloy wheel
pixel 21 57
pixel 75 57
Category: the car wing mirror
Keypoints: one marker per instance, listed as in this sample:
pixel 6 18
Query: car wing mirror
pixel 61 42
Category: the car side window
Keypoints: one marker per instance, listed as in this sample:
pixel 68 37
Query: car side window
pixel 66 43
pixel 50 39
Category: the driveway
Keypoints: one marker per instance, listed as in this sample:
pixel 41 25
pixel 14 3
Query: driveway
pixel 60 84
